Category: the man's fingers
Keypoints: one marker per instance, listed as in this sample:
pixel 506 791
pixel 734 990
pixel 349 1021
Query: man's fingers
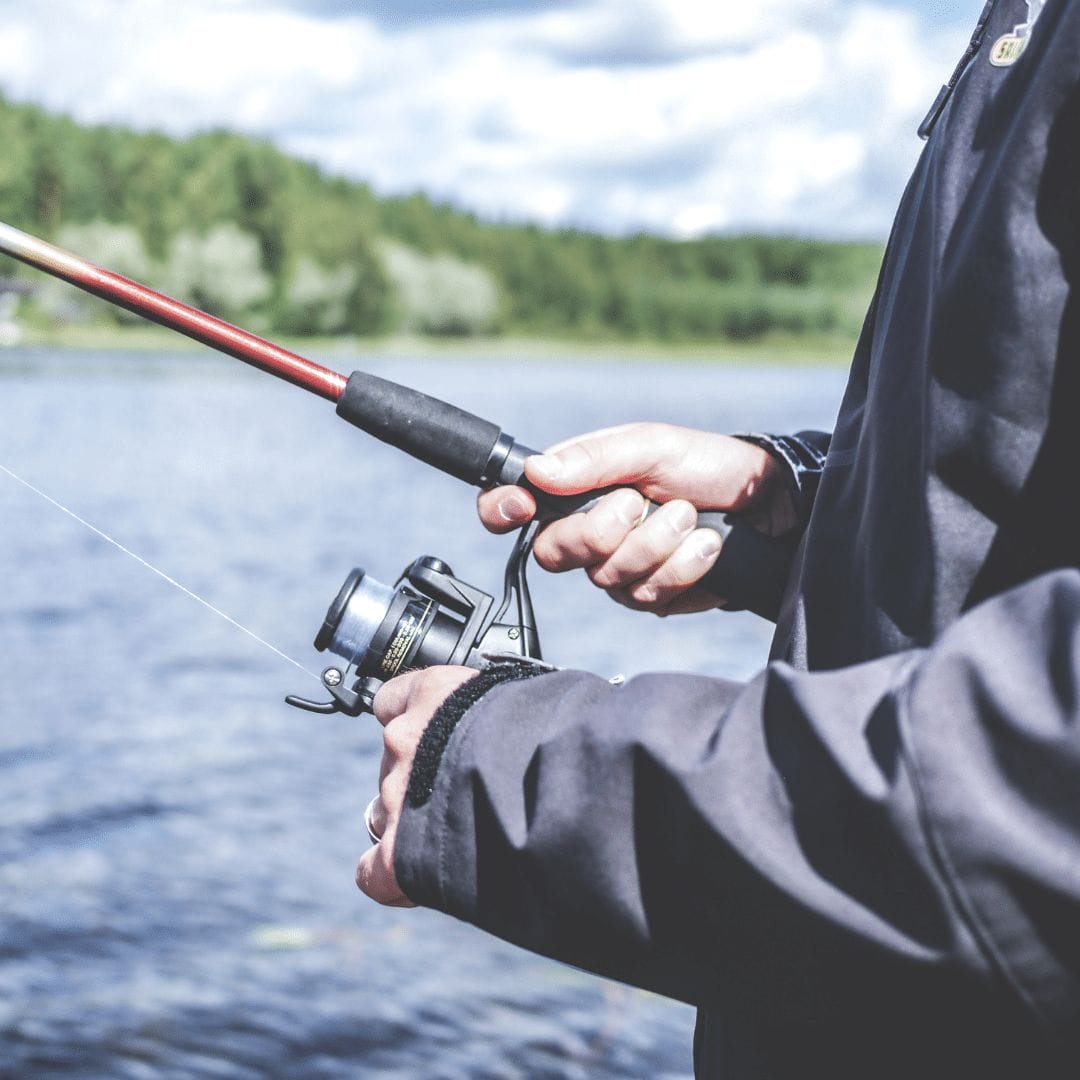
pixel 375 875
pixel 586 539
pixel 505 508
pixel 647 547
pixel 692 558
pixel 616 456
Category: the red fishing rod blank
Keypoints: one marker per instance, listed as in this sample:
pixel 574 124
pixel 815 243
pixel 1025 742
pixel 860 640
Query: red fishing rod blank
pixel 162 309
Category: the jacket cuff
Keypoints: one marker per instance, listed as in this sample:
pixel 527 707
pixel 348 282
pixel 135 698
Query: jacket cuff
pixel 436 737
pixel 803 457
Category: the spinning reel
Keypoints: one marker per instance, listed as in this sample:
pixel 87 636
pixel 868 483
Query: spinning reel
pixel 427 617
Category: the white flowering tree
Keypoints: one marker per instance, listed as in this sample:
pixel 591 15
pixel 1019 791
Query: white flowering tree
pixel 219 271
pixel 439 294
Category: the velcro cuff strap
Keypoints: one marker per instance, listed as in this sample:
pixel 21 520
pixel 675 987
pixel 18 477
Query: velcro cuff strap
pixel 436 738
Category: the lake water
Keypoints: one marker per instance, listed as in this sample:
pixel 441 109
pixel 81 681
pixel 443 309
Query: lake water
pixel 176 845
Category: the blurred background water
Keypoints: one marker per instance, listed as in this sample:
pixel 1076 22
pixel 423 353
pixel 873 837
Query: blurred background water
pixel 177 845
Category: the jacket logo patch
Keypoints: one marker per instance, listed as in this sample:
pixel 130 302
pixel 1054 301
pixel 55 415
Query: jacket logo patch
pixel 1007 49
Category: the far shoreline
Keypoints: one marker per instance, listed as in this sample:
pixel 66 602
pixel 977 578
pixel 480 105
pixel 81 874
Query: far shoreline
pixel 830 350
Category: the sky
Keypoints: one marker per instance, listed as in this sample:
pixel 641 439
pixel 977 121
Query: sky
pixel 682 117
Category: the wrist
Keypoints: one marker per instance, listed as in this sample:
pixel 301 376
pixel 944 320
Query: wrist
pixel 768 503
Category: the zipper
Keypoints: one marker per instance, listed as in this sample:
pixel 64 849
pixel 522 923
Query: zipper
pixel 945 92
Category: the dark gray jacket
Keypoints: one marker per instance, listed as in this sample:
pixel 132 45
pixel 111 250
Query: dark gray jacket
pixel 866 862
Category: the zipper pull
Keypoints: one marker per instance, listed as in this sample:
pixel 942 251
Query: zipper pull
pixel 930 119
pixel 938 107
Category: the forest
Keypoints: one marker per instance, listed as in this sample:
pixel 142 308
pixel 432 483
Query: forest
pixel 237 227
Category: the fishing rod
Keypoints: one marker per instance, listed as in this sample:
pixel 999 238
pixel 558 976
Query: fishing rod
pixel 430 616
pixel 433 431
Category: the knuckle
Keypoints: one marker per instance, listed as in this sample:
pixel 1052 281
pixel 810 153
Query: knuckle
pixel 394 742
pixel 547 560
pixel 392 698
pixel 564 545
pixel 548 552
pixel 589 452
pixel 384 704
pixel 598 537
pixel 604 576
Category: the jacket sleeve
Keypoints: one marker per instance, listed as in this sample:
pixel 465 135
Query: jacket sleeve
pixel 792 844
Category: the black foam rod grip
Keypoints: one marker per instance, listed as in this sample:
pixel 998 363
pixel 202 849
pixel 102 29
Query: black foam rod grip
pixel 439 434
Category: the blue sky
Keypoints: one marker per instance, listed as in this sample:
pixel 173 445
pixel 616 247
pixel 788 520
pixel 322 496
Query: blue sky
pixel 677 116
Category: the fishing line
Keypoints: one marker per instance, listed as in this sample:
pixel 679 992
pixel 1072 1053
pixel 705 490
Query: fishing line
pixel 160 573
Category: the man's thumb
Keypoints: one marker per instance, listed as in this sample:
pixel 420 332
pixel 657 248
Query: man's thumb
pixel 582 466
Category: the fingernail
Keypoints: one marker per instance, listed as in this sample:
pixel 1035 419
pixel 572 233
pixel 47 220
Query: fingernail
pixel 625 507
pixel 512 509
pixel 708 546
pixel 682 517
pixel 549 466
pixel 645 594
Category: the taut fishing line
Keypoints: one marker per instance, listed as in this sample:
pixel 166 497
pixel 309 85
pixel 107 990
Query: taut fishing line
pixel 160 573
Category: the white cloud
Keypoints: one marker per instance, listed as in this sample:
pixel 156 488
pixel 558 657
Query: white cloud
pixel 662 114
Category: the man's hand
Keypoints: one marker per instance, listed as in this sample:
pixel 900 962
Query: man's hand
pixel 404 706
pixel 651 565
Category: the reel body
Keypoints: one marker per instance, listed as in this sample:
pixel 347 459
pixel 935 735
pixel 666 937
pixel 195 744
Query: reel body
pixel 427 617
